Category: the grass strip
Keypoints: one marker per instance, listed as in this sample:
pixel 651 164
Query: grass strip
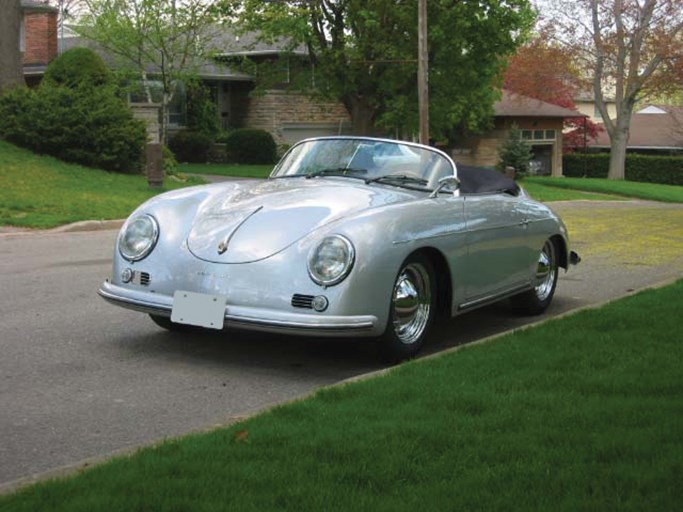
pixel 43 192
pixel 547 193
pixel 649 191
pixel 231 170
pixel 581 413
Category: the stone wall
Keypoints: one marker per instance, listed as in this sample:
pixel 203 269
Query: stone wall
pixel 274 111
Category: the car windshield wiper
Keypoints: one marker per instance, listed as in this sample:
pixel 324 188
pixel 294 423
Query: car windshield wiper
pixel 400 178
pixel 339 171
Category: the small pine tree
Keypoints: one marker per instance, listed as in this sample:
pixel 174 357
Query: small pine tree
pixel 515 152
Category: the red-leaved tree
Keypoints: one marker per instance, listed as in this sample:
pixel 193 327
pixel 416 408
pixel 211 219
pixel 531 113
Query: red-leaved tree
pixel 545 72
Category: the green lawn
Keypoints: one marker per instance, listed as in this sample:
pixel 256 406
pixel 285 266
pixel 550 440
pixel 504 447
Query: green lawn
pixel 238 171
pixel 633 189
pixel 581 413
pixel 546 193
pixel 43 192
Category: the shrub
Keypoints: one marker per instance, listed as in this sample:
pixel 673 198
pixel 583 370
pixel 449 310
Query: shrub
pixel 515 152
pixel 77 67
pixel 667 170
pixel 190 147
pixel 88 125
pixel 250 146
pixel 170 163
pixel 202 115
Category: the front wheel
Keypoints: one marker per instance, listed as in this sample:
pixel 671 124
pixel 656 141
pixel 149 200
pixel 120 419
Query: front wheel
pixel 411 310
pixel 537 300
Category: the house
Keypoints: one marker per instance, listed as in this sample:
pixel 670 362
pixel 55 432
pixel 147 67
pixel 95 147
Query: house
pixel 585 103
pixel 288 116
pixel 541 124
pixel 654 129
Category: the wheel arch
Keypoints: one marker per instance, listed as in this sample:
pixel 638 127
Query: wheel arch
pixel 444 290
pixel 561 247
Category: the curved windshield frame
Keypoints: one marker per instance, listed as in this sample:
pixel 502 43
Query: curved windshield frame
pixel 384 161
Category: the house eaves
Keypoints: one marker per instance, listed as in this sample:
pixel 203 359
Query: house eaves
pixel 516 105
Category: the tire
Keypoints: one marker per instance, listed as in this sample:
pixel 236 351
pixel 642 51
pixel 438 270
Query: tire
pixel 412 308
pixel 165 323
pixel 537 300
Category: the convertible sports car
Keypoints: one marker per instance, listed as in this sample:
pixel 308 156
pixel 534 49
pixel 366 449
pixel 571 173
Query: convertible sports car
pixel 350 236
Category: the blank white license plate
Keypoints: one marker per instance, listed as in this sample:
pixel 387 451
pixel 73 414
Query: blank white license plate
pixel 198 309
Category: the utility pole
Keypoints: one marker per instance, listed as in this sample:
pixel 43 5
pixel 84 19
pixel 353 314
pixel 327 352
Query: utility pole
pixel 423 71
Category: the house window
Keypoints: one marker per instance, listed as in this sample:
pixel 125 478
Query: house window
pixel 534 135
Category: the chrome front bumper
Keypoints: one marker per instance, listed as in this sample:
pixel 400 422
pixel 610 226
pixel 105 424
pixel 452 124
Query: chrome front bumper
pixel 251 318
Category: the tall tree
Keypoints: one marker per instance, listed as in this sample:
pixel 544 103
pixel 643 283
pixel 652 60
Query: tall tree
pixel 623 45
pixel 164 38
pixel 364 54
pixel 548 72
pixel 11 70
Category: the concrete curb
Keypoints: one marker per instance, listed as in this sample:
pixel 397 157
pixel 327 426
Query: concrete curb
pixel 76 467
pixel 75 227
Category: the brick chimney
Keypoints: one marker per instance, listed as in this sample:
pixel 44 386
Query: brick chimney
pixel 40 33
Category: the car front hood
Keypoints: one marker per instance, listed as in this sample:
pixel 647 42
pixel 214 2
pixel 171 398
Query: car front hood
pixel 251 221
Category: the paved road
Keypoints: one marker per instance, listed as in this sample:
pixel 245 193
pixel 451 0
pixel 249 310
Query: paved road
pixel 80 378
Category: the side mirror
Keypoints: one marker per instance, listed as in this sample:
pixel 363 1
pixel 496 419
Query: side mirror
pixel 446 181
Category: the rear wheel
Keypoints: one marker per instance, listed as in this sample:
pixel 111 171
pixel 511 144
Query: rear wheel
pixel 537 300
pixel 411 310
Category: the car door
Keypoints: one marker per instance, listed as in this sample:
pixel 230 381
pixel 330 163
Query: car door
pixel 498 251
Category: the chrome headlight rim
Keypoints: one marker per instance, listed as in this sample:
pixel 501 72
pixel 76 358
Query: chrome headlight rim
pixel 347 263
pixel 149 246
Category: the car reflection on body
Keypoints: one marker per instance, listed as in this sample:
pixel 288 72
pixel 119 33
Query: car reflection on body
pixel 349 237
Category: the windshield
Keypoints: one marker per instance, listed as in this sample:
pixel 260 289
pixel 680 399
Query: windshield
pixel 372 160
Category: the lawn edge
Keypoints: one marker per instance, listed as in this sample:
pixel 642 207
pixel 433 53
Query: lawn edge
pixel 74 468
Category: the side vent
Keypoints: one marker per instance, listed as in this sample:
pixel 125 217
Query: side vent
pixel 302 301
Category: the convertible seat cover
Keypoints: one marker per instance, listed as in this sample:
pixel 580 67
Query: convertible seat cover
pixel 478 180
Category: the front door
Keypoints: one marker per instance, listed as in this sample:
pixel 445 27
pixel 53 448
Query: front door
pixel 498 252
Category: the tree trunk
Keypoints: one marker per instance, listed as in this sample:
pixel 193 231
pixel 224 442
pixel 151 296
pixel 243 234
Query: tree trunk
pixel 362 115
pixel 617 157
pixel 619 142
pixel 11 68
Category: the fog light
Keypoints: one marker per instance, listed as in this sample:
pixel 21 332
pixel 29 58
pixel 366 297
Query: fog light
pixel 127 275
pixel 320 303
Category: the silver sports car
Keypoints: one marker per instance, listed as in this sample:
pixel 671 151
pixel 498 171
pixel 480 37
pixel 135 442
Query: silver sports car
pixel 350 236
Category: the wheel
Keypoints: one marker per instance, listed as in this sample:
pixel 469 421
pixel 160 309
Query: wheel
pixel 537 300
pixel 411 310
pixel 165 323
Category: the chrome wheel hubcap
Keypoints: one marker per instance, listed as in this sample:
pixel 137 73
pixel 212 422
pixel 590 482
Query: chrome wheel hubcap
pixel 546 271
pixel 411 303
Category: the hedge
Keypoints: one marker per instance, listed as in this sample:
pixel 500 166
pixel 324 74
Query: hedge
pixel 250 146
pixel 86 125
pixel 667 170
pixel 190 147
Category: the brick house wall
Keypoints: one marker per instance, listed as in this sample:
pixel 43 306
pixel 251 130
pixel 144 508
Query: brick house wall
pixel 286 115
pixel 40 36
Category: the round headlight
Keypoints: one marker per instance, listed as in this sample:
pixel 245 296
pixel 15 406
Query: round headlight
pixel 331 260
pixel 138 237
